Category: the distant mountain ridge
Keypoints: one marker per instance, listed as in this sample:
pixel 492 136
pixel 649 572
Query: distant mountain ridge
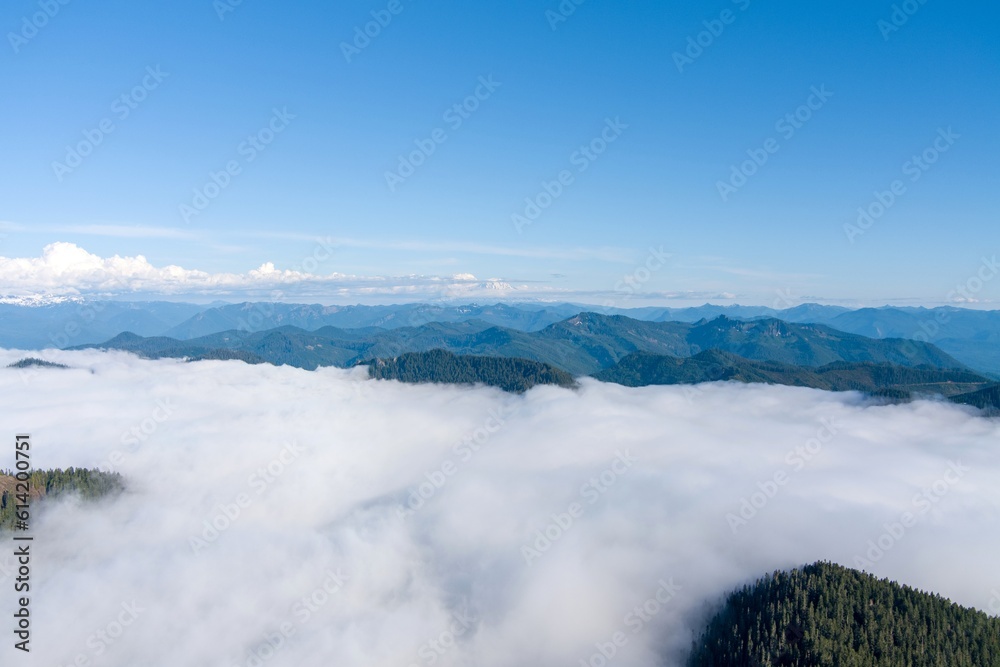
pixel 65 322
pixel 883 381
pixel 971 336
pixel 253 317
pixel 642 369
pixel 610 348
pixel 580 345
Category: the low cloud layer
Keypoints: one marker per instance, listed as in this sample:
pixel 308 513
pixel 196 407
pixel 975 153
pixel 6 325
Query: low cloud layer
pixel 284 517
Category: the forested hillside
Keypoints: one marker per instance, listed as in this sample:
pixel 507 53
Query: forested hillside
pixel 825 615
pixel 47 484
pixel 987 398
pixel 580 345
pixel 33 362
pixel 516 375
pixel 642 369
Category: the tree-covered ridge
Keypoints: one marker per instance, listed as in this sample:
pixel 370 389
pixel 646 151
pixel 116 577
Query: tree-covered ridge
pixel 580 345
pixel 889 380
pixel 987 398
pixel 825 615
pixel 613 349
pixel 516 375
pixel 46 484
pixel 29 362
pixel 223 354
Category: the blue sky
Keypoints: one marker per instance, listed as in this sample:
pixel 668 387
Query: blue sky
pixel 210 76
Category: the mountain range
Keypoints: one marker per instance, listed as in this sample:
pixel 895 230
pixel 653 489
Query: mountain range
pixel 887 381
pixel 971 336
pixel 580 345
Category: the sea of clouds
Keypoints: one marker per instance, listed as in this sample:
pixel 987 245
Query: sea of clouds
pixel 276 516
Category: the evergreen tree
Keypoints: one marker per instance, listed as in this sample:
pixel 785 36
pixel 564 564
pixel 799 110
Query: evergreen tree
pixel 827 615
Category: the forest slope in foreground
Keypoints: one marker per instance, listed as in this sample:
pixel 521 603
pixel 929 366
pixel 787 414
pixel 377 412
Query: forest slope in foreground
pixel 827 615
pixel 820 615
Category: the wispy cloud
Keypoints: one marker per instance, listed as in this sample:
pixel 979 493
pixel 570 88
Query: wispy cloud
pixel 114 231
pixel 579 253
pixel 127 231
pixel 759 274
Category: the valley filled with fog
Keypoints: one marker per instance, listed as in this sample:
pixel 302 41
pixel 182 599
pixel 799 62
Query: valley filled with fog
pixel 279 516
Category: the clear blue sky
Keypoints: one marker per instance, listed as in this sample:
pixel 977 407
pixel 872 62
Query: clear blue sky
pixel 656 184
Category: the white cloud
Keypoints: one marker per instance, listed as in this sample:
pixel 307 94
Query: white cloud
pixel 65 269
pixel 367 446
